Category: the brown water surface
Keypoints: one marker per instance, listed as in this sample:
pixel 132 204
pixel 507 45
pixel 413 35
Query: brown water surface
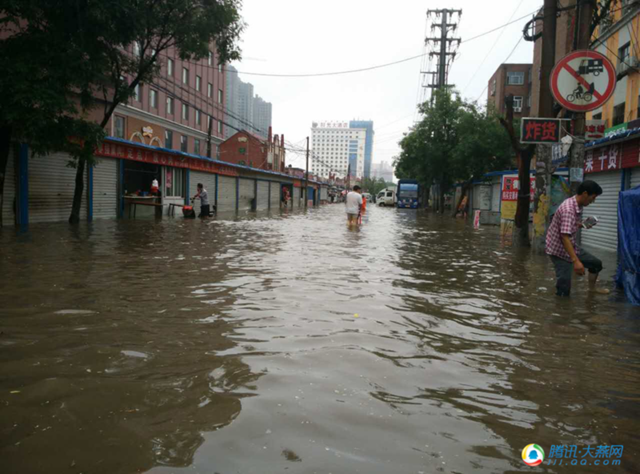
pixel 289 343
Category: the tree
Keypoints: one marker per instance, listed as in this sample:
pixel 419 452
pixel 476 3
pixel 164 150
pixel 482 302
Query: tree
pixel 454 142
pixel 117 44
pixel 373 185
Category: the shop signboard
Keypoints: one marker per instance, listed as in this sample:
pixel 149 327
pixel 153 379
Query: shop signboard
pixel 594 130
pixel 617 129
pixel 510 186
pixel 128 152
pixel 612 157
pixel 540 130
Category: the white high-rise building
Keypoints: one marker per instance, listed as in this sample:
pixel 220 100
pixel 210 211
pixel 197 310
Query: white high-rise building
pixel 383 170
pixel 335 146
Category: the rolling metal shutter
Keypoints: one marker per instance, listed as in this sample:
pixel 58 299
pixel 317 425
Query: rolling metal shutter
pixel 495 197
pixel 226 194
pixel 8 216
pixel 246 194
pixel 263 195
pixel 51 186
pixel 105 189
pixel 604 236
pixel 208 180
pixel 635 177
pixel 297 194
pixel 275 195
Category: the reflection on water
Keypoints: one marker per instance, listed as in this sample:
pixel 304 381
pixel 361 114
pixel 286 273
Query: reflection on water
pixel 292 343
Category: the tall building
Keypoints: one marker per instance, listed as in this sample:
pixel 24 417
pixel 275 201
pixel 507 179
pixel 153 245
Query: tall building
pixel 244 111
pixel 337 148
pixel 382 170
pixel 511 79
pixel 368 145
pixel 261 116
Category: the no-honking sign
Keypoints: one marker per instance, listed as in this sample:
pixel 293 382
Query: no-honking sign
pixel 583 80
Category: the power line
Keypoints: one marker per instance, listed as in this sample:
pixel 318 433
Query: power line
pixel 510 54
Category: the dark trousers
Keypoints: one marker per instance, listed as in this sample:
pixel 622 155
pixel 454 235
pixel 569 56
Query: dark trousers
pixel 564 270
pixel 204 211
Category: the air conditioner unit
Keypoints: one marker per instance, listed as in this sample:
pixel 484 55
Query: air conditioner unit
pixel 517 109
pixel 630 62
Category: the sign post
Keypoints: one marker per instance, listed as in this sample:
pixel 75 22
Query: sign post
pixel 582 81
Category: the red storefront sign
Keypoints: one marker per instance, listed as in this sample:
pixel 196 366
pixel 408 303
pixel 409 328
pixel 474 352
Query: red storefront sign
pixel 127 152
pixel 510 187
pixel 540 130
pixel 613 157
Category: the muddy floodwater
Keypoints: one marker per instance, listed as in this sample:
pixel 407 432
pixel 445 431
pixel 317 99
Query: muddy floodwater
pixel 290 344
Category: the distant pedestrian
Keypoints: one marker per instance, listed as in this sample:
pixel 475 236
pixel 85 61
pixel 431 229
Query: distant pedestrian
pixel 561 246
pixel 203 195
pixel 354 205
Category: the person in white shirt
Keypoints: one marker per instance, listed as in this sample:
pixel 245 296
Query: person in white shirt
pixel 354 205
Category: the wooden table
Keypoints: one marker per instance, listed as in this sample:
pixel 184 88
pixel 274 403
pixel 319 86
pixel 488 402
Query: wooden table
pixel 135 201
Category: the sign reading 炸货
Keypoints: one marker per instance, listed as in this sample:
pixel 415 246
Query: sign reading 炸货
pixel 540 130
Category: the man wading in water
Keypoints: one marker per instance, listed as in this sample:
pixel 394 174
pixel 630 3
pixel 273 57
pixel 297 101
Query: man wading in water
pixel 353 206
pixel 561 246
pixel 203 195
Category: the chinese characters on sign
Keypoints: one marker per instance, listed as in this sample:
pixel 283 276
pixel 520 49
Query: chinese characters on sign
pixel 571 455
pixel 540 130
pixel 510 187
pixel 612 157
pixel 113 150
pixel 594 130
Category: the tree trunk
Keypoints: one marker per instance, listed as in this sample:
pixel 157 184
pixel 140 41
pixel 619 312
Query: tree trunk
pixel 5 151
pixel 74 218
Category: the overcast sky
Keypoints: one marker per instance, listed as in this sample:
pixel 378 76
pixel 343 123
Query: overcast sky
pixel 304 36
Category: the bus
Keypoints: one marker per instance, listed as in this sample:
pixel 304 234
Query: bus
pixel 408 194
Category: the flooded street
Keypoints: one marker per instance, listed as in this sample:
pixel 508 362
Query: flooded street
pixel 289 343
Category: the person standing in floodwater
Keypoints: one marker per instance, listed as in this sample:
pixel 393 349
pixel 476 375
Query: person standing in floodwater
pixel 203 195
pixel 353 206
pixel 561 245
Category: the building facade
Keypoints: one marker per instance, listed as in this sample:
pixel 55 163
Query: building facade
pixel 246 149
pixel 262 111
pixel 368 145
pixel 382 170
pixel 509 79
pixel 337 149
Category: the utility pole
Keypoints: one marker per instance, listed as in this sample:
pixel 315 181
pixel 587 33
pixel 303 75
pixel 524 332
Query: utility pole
pixel 445 43
pixel 543 152
pixel 209 136
pixel 583 41
pixel 306 179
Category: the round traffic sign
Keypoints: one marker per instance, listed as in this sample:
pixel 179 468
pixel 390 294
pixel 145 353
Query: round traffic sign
pixel 583 80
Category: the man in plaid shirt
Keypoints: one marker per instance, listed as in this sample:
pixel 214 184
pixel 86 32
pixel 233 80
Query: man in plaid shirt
pixel 561 246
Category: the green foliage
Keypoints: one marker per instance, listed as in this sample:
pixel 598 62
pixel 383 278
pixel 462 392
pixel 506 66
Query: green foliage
pixel 373 185
pixel 63 58
pixel 455 141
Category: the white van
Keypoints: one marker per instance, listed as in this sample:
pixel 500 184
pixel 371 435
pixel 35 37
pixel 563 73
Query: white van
pixel 386 197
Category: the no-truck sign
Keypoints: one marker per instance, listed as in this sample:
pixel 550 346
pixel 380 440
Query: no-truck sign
pixel 583 80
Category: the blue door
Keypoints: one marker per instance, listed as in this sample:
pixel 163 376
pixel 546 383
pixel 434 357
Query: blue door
pixel 311 194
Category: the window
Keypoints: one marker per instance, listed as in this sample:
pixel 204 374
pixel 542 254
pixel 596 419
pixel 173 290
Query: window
pixel 210 58
pixel 623 52
pixel 174 182
pixel 118 129
pixel 529 101
pixel 136 48
pixel 515 78
pixel 185 112
pixel 220 96
pixel 168 139
pixel 184 143
pixel 170 67
pixel 185 75
pixel 153 98
pixel 219 126
pixel 198 118
pixel 170 105
pixel 618 114
pixel 196 146
pixel 136 93
pixel 517 104
pixel 209 90
pixel 220 68
pixel 198 83
pixel 208 121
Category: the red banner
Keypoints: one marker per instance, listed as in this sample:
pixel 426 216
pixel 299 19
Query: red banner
pixel 510 187
pixel 613 157
pixel 127 152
